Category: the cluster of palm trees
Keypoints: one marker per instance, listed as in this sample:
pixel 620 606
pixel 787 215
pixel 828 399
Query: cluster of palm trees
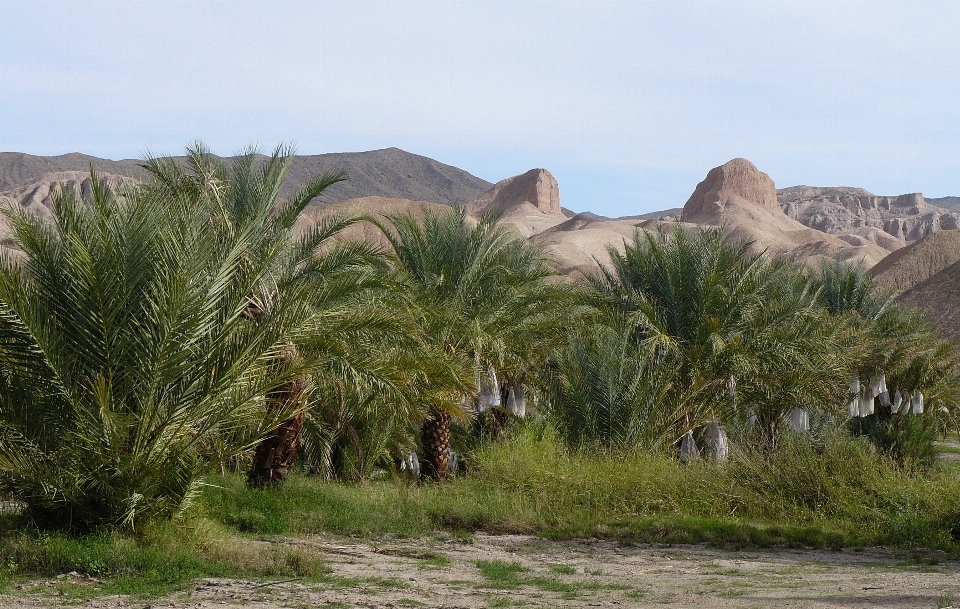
pixel 180 325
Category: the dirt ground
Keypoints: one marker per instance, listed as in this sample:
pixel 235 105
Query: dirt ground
pixel 516 571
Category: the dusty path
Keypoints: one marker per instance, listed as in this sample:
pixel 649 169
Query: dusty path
pixel 514 571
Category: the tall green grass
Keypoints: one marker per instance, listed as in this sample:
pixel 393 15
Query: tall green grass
pixel 838 493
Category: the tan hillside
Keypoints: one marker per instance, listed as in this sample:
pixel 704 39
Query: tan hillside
pixel 579 242
pixel 905 268
pixel 36 196
pixel 529 202
pixel 939 296
pixel 743 199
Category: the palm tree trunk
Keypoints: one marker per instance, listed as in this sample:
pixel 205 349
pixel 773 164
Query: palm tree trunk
pixel 499 419
pixel 279 449
pixel 769 433
pixel 436 445
pixel 498 423
pixel 337 459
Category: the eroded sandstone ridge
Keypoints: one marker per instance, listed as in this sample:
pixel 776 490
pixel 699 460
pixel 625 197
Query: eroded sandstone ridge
pixel 537 188
pixel 530 202
pixel 743 200
pixel 37 195
pixel 844 210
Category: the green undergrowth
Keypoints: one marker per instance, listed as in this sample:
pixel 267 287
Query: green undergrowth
pixel 152 562
pixel 839 493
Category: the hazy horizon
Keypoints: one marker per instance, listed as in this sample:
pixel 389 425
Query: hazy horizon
pixel 628 104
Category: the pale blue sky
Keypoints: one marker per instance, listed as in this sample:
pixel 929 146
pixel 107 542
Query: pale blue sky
pixel 629 104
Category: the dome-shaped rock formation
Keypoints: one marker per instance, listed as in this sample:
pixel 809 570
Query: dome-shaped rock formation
pixel 536 187
pixel 530 202
pixel 743 200
pixel 733 184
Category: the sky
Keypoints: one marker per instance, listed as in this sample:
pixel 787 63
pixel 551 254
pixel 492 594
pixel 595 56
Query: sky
pixel 628 104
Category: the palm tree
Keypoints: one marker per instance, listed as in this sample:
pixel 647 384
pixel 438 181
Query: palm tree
pixel 137 328
pixel 329 285
pixel 747 333
pixel 890 338
pixel 606 391
pixel 482 294
pixel 369 395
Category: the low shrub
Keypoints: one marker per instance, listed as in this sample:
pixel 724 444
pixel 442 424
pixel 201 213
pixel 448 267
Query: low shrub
pixel 909 440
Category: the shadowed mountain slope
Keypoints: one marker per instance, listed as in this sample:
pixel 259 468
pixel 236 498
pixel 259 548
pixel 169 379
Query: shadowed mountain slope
pixel 390 172
pixel 917 262
pixel 939 296
pixel 949 203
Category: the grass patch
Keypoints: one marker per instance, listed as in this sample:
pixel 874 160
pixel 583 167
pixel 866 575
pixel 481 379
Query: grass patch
pixel 155 562
pixel 501 574
pixel 840 494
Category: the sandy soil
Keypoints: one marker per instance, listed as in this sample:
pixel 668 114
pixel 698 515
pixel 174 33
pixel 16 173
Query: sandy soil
pixel 445 574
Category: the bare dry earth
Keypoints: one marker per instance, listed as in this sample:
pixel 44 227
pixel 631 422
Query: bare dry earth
pixel 561 574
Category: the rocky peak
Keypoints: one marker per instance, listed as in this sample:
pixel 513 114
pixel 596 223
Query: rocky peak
pixel 837 210
pixel 537 188
pixel 736 183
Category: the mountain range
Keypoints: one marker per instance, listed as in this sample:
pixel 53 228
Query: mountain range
pixel 909 243
pixel 390 172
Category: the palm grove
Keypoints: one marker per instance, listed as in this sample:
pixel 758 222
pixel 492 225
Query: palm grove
pixel 179 327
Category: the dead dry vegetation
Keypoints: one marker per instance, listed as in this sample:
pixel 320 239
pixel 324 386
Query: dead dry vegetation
pixel 520 571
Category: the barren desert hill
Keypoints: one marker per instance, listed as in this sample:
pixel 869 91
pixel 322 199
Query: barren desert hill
pixel 743 199
pixel 948 203
pixel 939 296
pixel 389 172
pixel 37 195
pixel 840 210
pixel 18 169
pixel 919 261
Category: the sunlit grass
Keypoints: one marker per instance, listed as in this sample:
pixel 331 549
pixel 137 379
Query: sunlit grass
pixel 840 494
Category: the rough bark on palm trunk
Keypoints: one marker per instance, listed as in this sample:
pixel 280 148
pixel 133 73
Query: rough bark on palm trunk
pixel 436 445
pixel 279 449
pixel 498 423
pixel 499 417
pixel 338 459
pixel 769 434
